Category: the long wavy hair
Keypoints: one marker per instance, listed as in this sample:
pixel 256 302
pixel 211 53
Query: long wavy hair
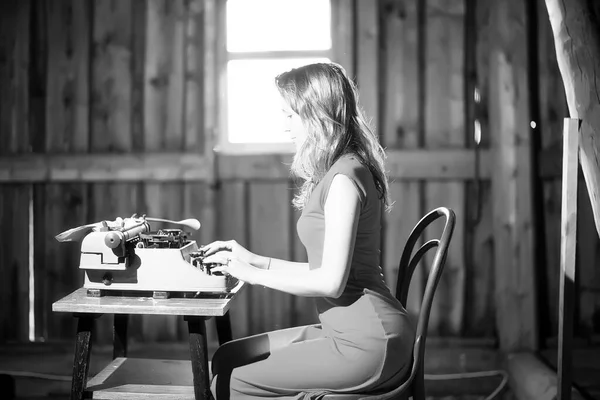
pixel 327 103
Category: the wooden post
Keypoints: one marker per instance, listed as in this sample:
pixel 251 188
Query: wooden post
pixel 509 123
pixel 566 307
pixel 577 42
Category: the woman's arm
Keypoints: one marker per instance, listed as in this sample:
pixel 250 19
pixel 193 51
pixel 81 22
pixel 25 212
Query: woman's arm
pixel 275 264
pixel 342 210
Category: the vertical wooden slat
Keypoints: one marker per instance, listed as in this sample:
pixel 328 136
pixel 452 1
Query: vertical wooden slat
pixel 68 79
pixel 445 127
pixel 514 259
pixel 14 199
pixel 164 95
pixel 479 240
pixel 14 262
pixel 552 108
pixel 111 76
pixel 138 62
pixel 233 224
pixel 400 129
pixel 588 273
pixel 111 116
pixel 342 34
pixel 367 57
pixel 568 248
pixel 37 128
pixel 269 236
pixel 164 115
pixel 58 207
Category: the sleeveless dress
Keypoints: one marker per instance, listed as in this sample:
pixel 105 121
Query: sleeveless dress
pixel 365 338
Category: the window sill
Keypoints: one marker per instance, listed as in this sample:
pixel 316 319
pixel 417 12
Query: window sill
pixel 254 148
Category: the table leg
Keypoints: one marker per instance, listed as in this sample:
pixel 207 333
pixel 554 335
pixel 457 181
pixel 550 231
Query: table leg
pixel 120 335
pixel 199 356
pixel 223 329
pixel 83 348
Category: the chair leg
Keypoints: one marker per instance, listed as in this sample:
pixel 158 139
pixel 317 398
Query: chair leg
pixel 419 384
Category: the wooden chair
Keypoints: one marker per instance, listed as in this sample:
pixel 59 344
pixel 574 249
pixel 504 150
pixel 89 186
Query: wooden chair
pixel 414 385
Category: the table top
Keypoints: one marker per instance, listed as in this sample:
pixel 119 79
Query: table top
pixel 80 302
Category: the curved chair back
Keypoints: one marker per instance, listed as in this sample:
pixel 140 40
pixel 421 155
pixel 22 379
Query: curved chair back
pixel 408 263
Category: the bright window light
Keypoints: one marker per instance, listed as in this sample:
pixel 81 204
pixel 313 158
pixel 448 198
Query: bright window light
pixel 264 39
pixel 276 25
pixel 253 104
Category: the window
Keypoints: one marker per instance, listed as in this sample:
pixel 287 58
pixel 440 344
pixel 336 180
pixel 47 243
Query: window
pixel 263 39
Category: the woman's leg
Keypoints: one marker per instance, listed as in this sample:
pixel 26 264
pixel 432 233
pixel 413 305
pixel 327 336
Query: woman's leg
pixel 321 364
pixel 254 348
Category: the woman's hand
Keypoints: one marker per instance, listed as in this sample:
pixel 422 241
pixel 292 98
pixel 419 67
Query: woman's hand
pixel 232 265
pixel 237 250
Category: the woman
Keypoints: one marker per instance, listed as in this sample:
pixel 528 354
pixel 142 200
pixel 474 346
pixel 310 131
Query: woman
pixel 364 342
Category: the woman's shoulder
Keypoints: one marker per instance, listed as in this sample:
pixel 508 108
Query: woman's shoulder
pixel 350 165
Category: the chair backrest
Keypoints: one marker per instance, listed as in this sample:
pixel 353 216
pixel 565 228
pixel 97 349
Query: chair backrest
pixel 414 385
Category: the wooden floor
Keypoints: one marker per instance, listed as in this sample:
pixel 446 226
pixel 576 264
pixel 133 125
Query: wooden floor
pixel 55 359
pixel 586 369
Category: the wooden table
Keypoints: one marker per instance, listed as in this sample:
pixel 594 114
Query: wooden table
pixel 194 310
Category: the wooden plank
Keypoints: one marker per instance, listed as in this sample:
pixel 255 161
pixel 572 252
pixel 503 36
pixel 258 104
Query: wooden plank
pixel 367 56
pixel 104 167
pixel 14 78
pixel 112 119
pixel 552 108
pixel 587 299
pixel 194 76
pixel 67 110
pixel 15 262
pixel 15 200
pixel 57 208
pixel 269 232
pixel 137 378
pixel 401 132
pixel 479 298
pixel 568 248
pixel 342 34
pixel 79 302
pixel 66 117
pixel 164 69
pixel 552 236
pixel 577 46
pixel 138 62
pixel 509 123
pixel 444 127
pixel 111 76
pixel 409 164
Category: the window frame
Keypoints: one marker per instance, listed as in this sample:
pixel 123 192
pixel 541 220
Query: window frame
pixel 223 145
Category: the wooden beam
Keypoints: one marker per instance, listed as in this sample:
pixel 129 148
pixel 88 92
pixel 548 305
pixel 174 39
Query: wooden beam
pixel 103 167
pixel 577 42
pixel 509 123
pixel 436 164
pixel 566 307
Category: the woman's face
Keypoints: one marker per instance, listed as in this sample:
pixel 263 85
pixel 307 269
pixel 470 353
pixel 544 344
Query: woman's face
pixel 293 126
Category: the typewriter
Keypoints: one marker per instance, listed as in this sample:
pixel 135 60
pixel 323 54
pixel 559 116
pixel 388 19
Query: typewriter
pixel 126 255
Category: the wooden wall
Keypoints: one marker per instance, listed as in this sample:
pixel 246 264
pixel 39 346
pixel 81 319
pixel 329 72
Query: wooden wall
pixel 108 108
